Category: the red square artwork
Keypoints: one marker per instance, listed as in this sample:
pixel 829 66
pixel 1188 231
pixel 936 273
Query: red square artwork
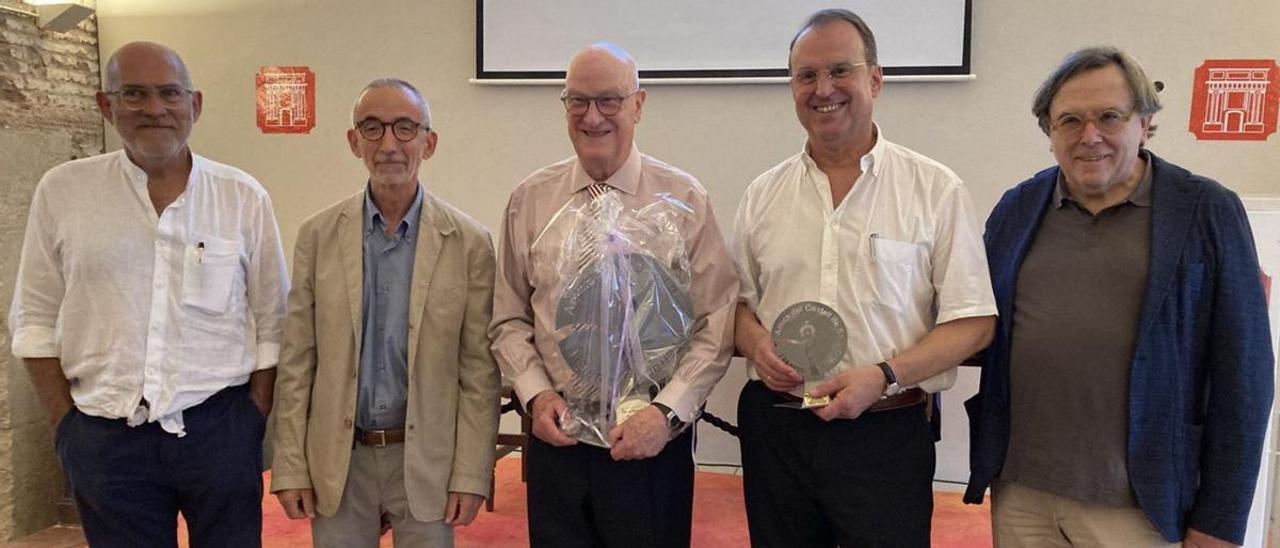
pixel 286 99
pixel 1235 100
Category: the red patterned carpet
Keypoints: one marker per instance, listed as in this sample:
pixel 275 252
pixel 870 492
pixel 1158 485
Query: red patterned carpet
pixel 718 519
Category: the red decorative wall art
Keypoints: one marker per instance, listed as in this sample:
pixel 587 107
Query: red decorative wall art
pixel 1235 100
pixel 286 99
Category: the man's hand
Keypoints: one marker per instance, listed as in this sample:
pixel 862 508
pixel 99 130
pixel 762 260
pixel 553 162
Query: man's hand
pixel 755 342
pixel 262 384
pixel 545 409
pixel 61 408
pixel 854 391
pixel 778 375
pixel 51 386
pixel 297 503
pixel 641 436
pixel 461 509
pixel 1196 539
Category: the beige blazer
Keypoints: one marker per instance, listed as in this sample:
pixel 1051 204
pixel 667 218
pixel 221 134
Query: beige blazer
pixel 452 419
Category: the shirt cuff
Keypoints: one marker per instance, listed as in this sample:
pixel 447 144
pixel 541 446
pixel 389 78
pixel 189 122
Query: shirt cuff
pixel 530 384
pixel 35 342
pixel 268 355
pixel 680 397
pixel 972 311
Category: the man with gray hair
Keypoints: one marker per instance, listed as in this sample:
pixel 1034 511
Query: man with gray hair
pixel 149 309
pixel 387 394
pixel 1125 397
pixel 639 491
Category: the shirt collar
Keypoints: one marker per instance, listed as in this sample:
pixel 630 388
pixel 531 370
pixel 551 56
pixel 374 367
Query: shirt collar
pixel 373 216
pixel 871 162
pixel 138 178
pixel 626 179
pixel 1141 195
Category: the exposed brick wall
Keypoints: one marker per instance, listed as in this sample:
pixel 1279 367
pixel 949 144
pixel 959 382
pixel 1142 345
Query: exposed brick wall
pixel 47 80
pixel 47 116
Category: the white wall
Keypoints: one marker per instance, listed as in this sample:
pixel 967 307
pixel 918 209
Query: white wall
pixel 491 137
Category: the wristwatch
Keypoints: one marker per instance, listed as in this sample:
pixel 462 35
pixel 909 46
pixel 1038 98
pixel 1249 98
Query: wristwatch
pixel 891 386
pixel 673 420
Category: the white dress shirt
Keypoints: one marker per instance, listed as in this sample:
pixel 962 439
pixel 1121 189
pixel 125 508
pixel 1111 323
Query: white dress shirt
pixel 901 254
pixel 170 308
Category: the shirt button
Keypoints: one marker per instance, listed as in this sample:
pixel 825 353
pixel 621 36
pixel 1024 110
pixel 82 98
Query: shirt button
pixel 347 423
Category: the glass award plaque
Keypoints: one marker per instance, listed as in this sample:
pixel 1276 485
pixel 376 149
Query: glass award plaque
pixel 811 337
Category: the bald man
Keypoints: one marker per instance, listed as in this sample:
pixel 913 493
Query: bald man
pixel 149 310
pixel 639 491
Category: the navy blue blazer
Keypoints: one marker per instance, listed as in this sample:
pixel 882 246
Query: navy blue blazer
pixel 1200 388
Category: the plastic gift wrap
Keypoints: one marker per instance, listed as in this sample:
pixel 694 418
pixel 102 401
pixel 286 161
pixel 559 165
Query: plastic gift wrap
pixel 623 314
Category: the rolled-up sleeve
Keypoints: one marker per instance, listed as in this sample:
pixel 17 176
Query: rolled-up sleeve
pixel 267 282
pixel 40 286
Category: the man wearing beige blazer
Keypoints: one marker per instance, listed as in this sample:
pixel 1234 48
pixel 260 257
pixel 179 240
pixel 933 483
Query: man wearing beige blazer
pixel 387 396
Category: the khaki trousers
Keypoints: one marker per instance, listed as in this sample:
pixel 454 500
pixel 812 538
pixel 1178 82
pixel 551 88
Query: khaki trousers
pixel 1026 517
pixel 375 486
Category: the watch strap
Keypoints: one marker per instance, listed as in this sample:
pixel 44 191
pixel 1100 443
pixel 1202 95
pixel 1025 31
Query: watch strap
pixel 673 420
pixel 891 386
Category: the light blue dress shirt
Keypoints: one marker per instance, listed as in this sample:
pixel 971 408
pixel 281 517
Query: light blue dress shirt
pixel 383 383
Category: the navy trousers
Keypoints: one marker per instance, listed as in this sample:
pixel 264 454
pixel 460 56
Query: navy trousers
pixel 130 483
pixel 579 496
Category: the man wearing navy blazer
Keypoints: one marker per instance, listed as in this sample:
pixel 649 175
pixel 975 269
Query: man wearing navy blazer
pixel 1125 397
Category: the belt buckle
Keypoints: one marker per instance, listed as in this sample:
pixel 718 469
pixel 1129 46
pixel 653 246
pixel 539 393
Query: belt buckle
pixel 382 438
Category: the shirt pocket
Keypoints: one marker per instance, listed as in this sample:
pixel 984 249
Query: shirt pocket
pixel 210 271
pixel 898 268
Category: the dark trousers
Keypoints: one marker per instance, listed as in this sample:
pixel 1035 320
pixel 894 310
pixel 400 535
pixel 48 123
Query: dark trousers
pixel 866 482
pixel 130 483
pixel 579 496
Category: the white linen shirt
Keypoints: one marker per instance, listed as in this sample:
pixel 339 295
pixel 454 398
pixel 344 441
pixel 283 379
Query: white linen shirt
pixel 171 308
pixel 900 255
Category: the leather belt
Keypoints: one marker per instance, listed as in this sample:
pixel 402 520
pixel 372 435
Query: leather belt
pixel 906 398
pixel 379 438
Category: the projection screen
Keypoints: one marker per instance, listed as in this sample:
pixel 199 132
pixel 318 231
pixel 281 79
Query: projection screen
pixel 708 39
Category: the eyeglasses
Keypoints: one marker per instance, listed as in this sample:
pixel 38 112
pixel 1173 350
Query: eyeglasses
pixel 1110 122
pixel 138 97
pixel 839 73
pixel 608 105
pixel 404 129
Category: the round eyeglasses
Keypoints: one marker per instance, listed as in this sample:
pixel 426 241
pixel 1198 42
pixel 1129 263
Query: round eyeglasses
pixel 404 129
pixel 608 105
pixel 138 97
pixel 1110 122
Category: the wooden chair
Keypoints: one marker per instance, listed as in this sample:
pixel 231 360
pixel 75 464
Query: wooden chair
pixel 509 443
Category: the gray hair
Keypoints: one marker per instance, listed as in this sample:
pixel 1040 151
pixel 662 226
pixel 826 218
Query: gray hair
pixel 833 15
pixel 393 83
pixel 1145 100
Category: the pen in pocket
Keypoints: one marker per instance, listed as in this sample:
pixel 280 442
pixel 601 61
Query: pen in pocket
pixel 200 252
pixel 874 236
